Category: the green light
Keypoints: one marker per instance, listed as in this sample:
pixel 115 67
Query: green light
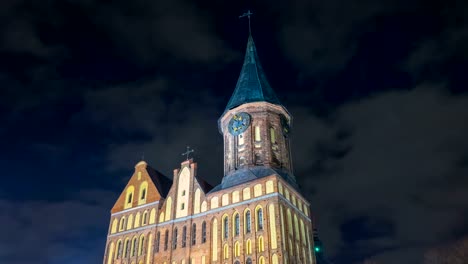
pixel 317 249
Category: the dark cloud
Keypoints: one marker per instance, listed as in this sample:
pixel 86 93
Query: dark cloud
pixel 402 166
pixel 55 232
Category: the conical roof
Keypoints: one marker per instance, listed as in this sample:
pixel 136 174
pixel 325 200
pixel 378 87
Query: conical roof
pixel 252 85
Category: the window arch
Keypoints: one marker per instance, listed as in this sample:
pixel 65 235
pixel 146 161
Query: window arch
pixel 119 249
pixel 115 222
pixel 184 236
pixel 126 247
pixel 203 232
pixel 225 226
pixel 145 218
pixel 236 224
pixel 260 244
pixel 110 253
pixel 261 260
pixel 248 247
pixel 134 246
pixel 237 249
pixel 272 135
pixel 143 193
pixel 174 239
pixel 129 197
pixel 166 239
pixel 247 221
pixel 137 220
pixel 249 261
pixel 194 234
pixel 226 251
pixel 259 218
pixel 156 243
pixel 122 224
pixel 142 244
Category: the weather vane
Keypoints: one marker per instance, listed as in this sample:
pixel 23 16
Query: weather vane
pixel 187 153
pixel 247 14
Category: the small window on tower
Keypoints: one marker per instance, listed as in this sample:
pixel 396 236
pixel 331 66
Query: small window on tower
pixel 240 139
pixel 182 206
pixel 183 193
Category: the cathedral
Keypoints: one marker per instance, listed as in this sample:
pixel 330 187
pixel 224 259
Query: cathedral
pixel 256 215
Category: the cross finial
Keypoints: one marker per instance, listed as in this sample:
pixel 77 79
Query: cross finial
pixel 247 14
pixel 187 153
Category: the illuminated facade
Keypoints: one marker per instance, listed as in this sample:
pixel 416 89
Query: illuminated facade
pixel 256 215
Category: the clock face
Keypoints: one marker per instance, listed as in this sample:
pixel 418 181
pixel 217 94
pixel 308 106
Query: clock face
pixel 239 123
pixel 285 126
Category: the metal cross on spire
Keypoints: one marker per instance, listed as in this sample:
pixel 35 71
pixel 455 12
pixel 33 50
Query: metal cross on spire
pixel 187 153
pixel 247 14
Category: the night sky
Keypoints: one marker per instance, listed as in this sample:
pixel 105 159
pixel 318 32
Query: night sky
pixel 377 89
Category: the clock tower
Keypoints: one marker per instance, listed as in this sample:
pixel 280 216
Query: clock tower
pixel 255 127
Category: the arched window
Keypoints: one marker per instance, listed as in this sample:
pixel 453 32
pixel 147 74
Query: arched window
pixel 122 224
pixel 166 239
pixel 156 243
pixel 237 249
pixel 248 221
pixel 236 224
pixel 203 232
pixel 194 234
pixel 126 248
pixel 134 246
pixel 260 219
pixel 248 247
pixel 261 260
pixel 225 227
pixel 128 202
pixel 260 244
pixel 130 198
pixel 272 135
pixel 143 192
pixel 142 245
pixel 174 239
pixel 184 236
pixel 226 252
pixel 249 261
pixel 145 218
pixel 119 249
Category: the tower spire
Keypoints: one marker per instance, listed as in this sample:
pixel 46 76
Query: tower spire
pixel 247 14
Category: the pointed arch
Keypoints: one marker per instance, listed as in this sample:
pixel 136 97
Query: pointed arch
pixel 259 218
pixel 214 239
pixel 129 197
pixel 274 259
pixel 137 220
pixel 261 260
pixel 236 224
pixel 143 193
pixel 145 218
pixel 119 249
pixel 152 216
pixel 134 246
pixel 122 224
pixel 130 222
pixel 260 244
pixel 114 225
pixel 225 226
pixel 248 246
pixel 226 251
pixel 272 217
pixel 247 221
pixel 110 253
pixel 237 249
pixel 168 208
pixel 142 245
pixel 161 217
pixel 126 247
pixel 196 202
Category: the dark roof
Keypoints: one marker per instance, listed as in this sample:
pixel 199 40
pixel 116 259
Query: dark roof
pixel 204 184
pixel 244 175
pixel 252 85
pixel 163 184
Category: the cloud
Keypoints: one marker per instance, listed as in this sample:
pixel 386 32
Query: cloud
pixel 399 162
pixel 70 231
